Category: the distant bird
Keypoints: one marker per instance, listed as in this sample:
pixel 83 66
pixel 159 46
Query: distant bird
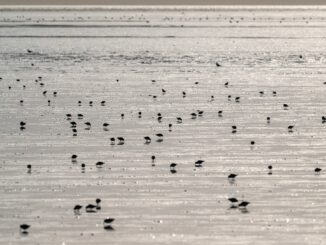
pixel 233 201
pixel 220 113
pixel 179 120
pixel 153 158
pixel 24 228
pixel 80 116
pixel 90 208
pixel 107 224
pixel 98 203
pixel 55 93
pixel 243 204
pixel 77 209
pixel 108 220
pixel 323 119
pixel 147 140
pixel 217 64
pixel 226 84
pixel 318 170
pixel 234 129
pixel 200 113
pixel 22 124
pixel 79 103
pixel 103 103
pixel 29 51
pixel 21 102
pixel 44 92
pixel 112 140
pixel 252 142
pixel 199 163
pixel 139 114
pixel 193 115
pixel 172 168
pixel 237 99
pixel 183 94
pixel 274 93
pixel 74 157
pixel 163 91
pixel 99 164
pixel 122 116
pixel 261 92
pixel 29 168
pixel 285 106
pixel 91 103
pixel 290 128
pixel 270 167
pixel 121 140
pixel 88 124
pixel 232 177
pixel 170 127
pixel 268 119
pixel 68 116
pixel 105 124
pixel 73 124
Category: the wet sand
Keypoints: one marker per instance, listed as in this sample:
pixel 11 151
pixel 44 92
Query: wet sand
pixel 81 54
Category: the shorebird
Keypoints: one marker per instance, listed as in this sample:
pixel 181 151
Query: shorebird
pixel 163 91
pixel 233 201
pixel 83 167
pixel 193 115
pixel 29 168
pixel 268 119
pixel 147 140
pixel 99 164
pixel 73 124
pixel 153 158
pixel 226 84
pixel 323 119
pixel 170 127
pixel 24 228
pixel 139 114
pixel 79 103
pixel 200 113
pixel 270 167
pixel 98 203
pixel 121 140
pixel 160 137
pixel 105 124
pixel 80 116
pixel 88 124
pixel 103 103
pixel 91 103
pixel 77 209
pixel 183 94
pixel 55 93
pixel 252 142
pixel 237 99
pixel 179 120
pixel 290 128
pixel 74 157
pixel 274 93
pixel 220 113
pixel 199 163
pixel 44 92
pixel 318 170
pixel 234 129
pixel 285 106
pixel 107 224
pixel 112 140
pixel 261 93
pixel 217 64
pixel 232 177
pixel 122 116
pixel 172 168
pixel 22 124
pixel 243 204
pixel 90 208
pixel 21 102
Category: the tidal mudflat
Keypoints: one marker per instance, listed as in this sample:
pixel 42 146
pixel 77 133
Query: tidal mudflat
pixel 163 125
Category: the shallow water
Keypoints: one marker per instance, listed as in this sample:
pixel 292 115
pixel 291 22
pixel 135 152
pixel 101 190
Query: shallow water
pixel 81 53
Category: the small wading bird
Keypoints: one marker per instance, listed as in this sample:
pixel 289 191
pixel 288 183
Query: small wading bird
pixel 24 228
pixel 107 224
pixel 99 164
pixel 172 168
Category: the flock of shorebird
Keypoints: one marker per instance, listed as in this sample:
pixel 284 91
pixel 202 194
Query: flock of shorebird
pixel 107 223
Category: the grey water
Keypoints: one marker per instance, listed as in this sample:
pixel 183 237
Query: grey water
pixel 268 56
